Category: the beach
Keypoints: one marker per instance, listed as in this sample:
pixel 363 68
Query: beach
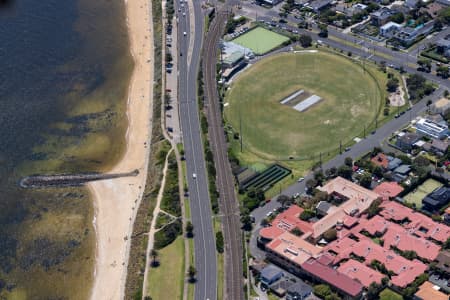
pixel 116 201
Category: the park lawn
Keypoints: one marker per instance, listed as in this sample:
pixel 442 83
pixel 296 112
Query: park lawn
pixel 388 294
pixel 260 40
pixel 167 280
pixel 274 131
pixel 424 189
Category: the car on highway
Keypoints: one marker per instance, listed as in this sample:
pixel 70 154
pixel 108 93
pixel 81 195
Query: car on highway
pixel 184 14
pixel 184 33
pixel 301 179
pixel 194 175
pixel 347 149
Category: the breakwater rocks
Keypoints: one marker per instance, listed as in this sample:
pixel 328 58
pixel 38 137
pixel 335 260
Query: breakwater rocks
pixel 64 180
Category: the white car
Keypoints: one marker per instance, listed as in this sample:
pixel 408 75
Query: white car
pixel 194 175
pixel 184 33
pixel 301 179
pixel 184 14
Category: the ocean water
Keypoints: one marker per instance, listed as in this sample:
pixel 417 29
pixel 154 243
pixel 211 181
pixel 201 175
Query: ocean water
pixel 65 67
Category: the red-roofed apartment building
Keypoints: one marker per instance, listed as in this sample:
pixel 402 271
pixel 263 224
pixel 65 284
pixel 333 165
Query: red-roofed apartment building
pixel 339 281
pixel 388 190
pixel 360 272
pixel 406 271
pixel 418 224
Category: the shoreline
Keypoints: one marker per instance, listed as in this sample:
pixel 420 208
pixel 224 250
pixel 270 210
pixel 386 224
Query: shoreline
pixel 116 201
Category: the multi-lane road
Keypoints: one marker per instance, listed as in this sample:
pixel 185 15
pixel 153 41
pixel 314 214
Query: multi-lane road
pixel 189 48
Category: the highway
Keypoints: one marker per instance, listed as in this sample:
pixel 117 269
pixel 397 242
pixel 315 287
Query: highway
pixel 229 206
pixel 201 214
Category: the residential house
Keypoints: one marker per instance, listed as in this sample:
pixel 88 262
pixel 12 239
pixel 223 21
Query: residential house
pixel 432 129
pixel 411 4
pixel 439 147
pixel 407 35
pixel 447 215
pixel 381 16
pixel 436 199
pixel 319 5
pixel 432 9
pixel 270 274
pixel 428 291
pixel 443 262
pixel 380 160
pixel 298 291
pixel 405 141
pixel 394 162
pixel 388 29
pixel 401 172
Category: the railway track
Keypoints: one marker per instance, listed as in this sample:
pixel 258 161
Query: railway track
pixel 229 206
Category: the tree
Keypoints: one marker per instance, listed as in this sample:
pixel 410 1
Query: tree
pixel 443 71
pixel 447 244
pixel 444 15
pixel 219 241
pixel 319 177
pixel 392 84
pixel 331 172
pixel 189 229
pixel 366 180
pixel 322 290
pixel 374 208
pixel 246 221
pixel 330 235
pixel 348 161
pixel 311 183
pixel 397 18
pixel 307 214
pixel 378 171
pixel 296 231
pixel 305 40
pixel 421 161
pixel 323 30
pixel 424 63
pixel 154 255
pixel 409 254
pixel 191 273
pixel 285 201
pixel 345 171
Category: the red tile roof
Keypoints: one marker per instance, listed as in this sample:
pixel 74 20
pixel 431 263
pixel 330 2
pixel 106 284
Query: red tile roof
pixel 427 292
pixel 356 270
pixel 380 160
pixel 399 237
pixel 406 271
pixel 289 219
pixel 333 277
pixel 270 232
pixel 388 190
pixel 419 223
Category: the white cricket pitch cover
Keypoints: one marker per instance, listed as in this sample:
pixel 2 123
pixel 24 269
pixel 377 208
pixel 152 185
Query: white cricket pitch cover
pixel 307 103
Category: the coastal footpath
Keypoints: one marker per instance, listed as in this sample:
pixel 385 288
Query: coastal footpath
pixel 116 200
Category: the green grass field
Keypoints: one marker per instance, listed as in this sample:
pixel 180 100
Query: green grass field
pixel 272 131
pixel 388 294
pixel 260 40
pixel 166 281
pixel 420 193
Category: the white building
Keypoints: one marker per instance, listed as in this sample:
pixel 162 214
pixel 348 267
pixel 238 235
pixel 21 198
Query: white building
pixel 432 129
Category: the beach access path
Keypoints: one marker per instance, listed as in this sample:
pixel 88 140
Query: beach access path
pixel 116 201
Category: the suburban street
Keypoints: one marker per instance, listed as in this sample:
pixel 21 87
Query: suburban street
pixel 201 215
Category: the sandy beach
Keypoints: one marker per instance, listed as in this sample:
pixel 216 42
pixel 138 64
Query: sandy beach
pixel 116 201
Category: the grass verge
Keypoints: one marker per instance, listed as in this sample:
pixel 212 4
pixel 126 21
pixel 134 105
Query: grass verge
pixel 167 280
